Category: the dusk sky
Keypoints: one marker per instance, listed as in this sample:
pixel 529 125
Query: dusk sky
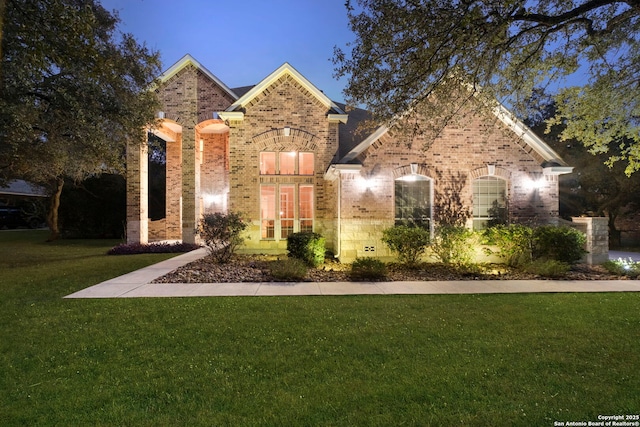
pixel 241 42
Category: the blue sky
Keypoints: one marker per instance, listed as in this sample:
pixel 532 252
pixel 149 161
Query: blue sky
pixel 241 42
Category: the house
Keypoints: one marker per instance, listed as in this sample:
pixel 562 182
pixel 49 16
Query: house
pixel 290 159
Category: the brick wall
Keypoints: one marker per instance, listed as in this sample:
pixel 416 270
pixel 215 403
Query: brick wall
pixel 284 104
pixel 461 153
pixel 190 98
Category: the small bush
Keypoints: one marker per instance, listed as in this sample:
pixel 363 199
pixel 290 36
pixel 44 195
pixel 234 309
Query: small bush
pixel 453 245
pixel 368 269
pixel 623 267
pixel 548 268
pixel 221 233
pixel 292 269
pixel 307 246
pixel 152 248
pixel 564 244
pixel 409 243
pixel 514 242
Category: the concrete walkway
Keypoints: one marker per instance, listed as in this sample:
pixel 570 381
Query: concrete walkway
pixel 136 284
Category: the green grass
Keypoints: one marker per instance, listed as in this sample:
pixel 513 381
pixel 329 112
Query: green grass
pixel 480 360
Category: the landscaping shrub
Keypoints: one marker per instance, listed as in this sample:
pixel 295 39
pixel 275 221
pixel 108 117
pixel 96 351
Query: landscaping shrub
pixel 514 242
pixel 307 246
pixel 453 245
pixel 151 248
pixel 221 233
pixel 564 244
pixel 368 269
pixel 548 268
pixel 409 243
pixel 623 267
pixel 292 269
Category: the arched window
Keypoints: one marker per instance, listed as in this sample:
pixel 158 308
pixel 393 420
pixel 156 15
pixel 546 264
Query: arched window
pixel 489 202
pixel 413 200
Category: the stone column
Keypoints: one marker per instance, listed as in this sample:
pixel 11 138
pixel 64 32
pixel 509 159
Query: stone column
pixel 174 189
pixel 190 164
pixel 597 231
pixel 190 179
pixel 137 191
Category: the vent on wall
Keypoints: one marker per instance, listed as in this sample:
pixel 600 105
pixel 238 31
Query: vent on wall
pixel 369 248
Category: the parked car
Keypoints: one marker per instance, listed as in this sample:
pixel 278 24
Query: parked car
pixel 17 217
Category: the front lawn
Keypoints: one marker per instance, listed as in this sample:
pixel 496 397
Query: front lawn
pixel 474 360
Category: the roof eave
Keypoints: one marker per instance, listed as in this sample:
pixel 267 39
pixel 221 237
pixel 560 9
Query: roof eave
pixel 188 59
pixel 279 72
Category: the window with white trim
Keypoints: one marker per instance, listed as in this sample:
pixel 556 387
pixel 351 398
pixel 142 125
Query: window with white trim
pixel 413 200
pixel 285 209
pixel 286 163
pixel 489 202
pixel 287 205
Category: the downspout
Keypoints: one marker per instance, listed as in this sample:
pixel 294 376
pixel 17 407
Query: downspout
pixel 339 224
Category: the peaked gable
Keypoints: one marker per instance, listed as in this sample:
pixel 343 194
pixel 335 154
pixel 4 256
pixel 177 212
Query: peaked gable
pixel 187 60
pixel 531 142
pixel 334 111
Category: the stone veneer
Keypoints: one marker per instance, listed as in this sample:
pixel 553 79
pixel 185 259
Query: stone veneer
pixel 597 232
pixel 351 211
pixel 462 152
pixel 285 103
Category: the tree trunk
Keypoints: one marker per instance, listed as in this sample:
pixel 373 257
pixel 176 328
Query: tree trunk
pixel 52 216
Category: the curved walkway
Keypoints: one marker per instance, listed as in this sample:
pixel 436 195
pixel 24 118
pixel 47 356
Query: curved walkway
pixel 136 284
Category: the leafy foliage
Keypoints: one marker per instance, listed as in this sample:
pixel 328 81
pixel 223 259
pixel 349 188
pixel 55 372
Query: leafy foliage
pixel 519 245
pixel 514 242
pixel 593 188
pixel 563 244
pixel 409 243
pixel 623 267
pixel 222 234
pixel 368 268
pixel 307 246
pixel 288 270
pixel 548 268
pixel 151 248
pixel 73 91
pixel 453 245
pixel 401 59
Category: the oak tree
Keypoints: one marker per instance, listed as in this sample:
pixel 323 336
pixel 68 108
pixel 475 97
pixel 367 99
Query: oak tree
pixel 407 51
pixel 73 91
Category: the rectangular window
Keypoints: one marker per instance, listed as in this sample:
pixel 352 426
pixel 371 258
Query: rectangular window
pixel 413 201
pixel 489 202
pixel 306 208
pixel 306 166
pixel 294 211
pixel 288 163
pixel 287 210
pixel 267 163
pixel 268 211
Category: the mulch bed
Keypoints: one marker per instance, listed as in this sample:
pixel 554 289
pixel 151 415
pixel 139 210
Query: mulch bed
pixel 255 268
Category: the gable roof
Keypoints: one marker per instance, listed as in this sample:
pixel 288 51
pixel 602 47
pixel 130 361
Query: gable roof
pixel 18 187
pixel 190 60
pixel 285 69
pixel 550 157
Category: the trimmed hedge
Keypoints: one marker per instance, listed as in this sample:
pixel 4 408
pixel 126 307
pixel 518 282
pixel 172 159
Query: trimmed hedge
pixel 152 248
pixel 307 246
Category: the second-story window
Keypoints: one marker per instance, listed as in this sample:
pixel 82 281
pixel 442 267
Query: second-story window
pixel 286 163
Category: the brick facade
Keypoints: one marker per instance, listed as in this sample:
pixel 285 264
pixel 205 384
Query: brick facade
pixel 215 137
pixel 482 146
